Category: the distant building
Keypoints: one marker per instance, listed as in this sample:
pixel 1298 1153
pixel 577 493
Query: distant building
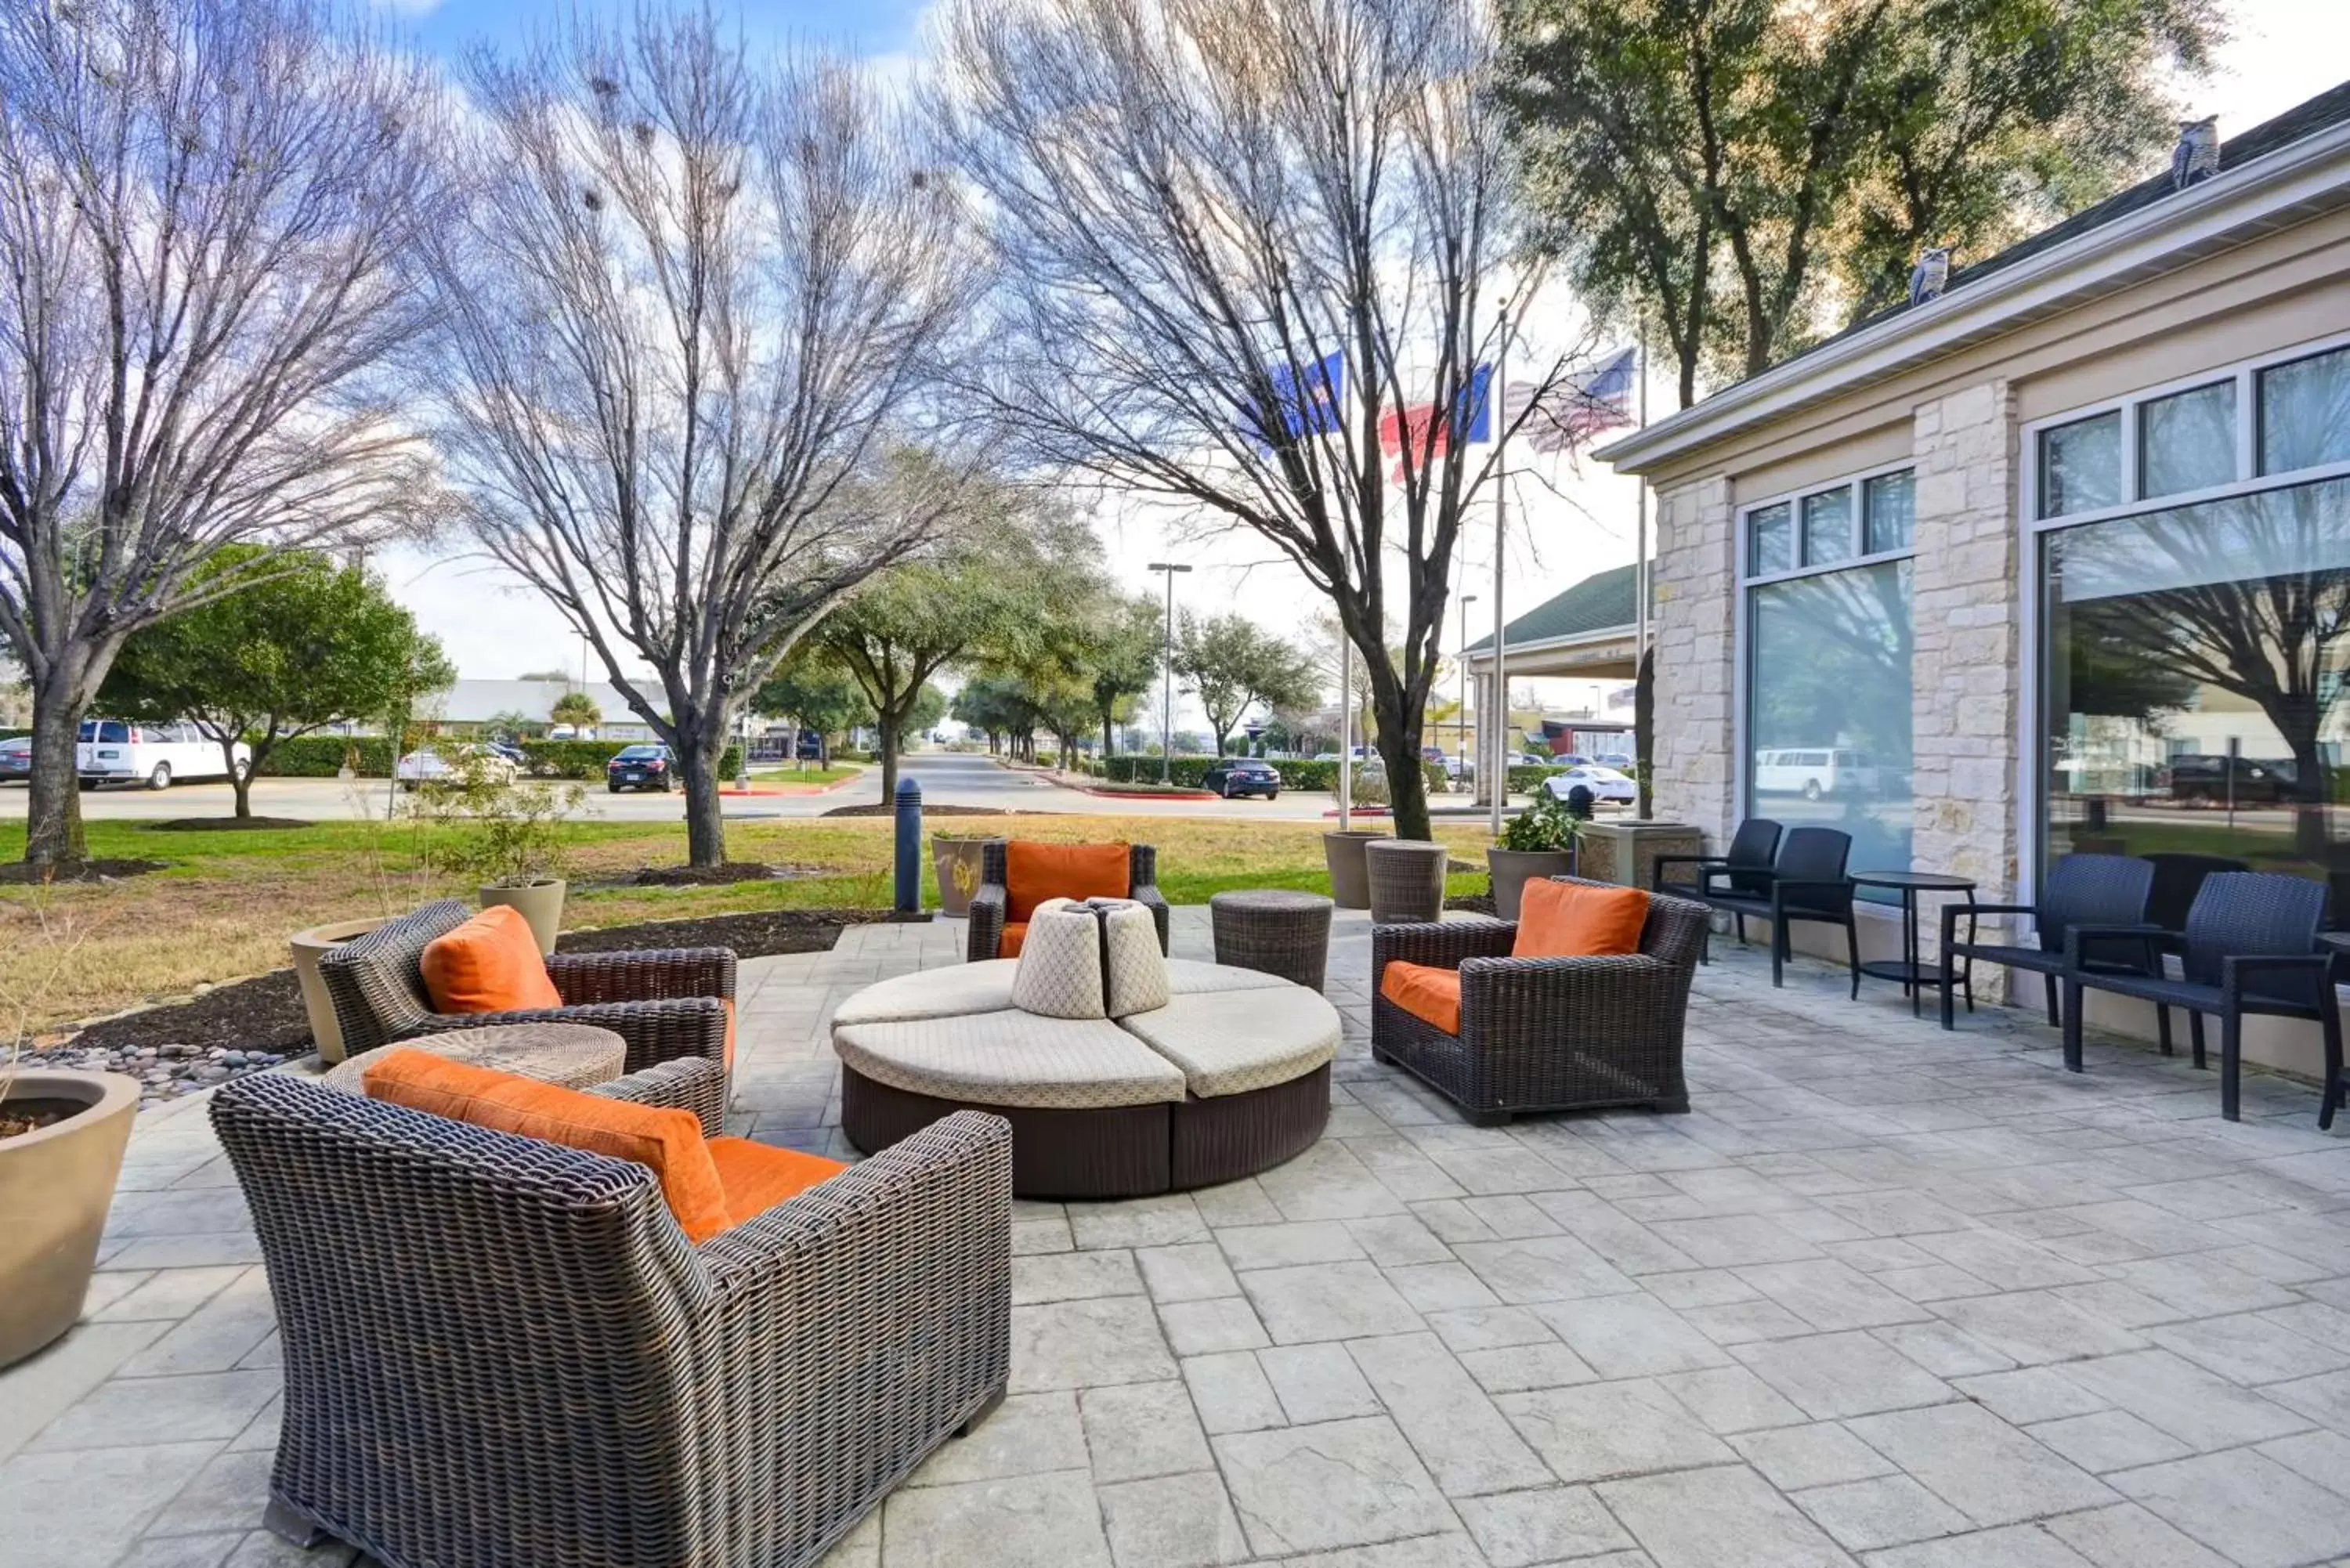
pixel 471 702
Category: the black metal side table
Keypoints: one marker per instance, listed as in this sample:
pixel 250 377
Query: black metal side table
pixel 1913 975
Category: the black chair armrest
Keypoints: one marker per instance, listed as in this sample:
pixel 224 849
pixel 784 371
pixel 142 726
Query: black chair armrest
pixel 1839 893
pixel 1972 911
pixel 693 1083
pixel 2236 970
pixel 1656 868
pixel 2150 939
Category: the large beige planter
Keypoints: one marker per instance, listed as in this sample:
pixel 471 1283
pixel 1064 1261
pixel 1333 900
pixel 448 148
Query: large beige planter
pixel 541 903
pixel 309 948
pixel 1624 850
pixel 55 1187
pixel 1511 870
pixel 1350 874
pixel 959 868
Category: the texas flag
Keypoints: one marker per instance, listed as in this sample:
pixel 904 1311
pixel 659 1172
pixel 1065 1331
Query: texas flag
pixel 1579 407
pixel 1312 408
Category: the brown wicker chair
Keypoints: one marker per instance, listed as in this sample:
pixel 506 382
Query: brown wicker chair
pixel 989 904
pixel 665 1004
pixel 1545 1035
pixel 502 1351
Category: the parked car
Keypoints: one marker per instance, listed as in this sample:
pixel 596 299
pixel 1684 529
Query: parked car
pixel 1604 784
pixel 1814 771
pixel 2203 778
pixel 511 752
pixel 429 764
pixel 112 751
pixel 649 766
pixel 1533 760
pixel 16 760
pixel 1622 761
pixel 1236 776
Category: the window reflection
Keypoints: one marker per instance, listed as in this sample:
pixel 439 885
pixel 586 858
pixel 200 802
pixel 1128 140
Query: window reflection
pixel 1890 505
pixel 2081 466
pixel 2306 413
pixel 2194 670
pixel 1827 526
pixel 1773 547
pixel 1828 720
pixel 2186 441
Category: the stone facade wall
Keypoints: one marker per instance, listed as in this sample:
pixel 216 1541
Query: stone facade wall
pixel 1695 577
pixel 1966 682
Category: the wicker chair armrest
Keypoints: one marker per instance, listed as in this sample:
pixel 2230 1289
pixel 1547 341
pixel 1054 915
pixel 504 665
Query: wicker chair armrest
pixel 989 908
pixel 655 1031
pixel 651 975
pixel 1149 895
pixel 1486 982
pixel 1441 944
pixel 693 1084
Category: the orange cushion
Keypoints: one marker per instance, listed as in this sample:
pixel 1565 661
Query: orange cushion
pixel 1035 872
pixel 1015 932
pixel 668 1141
pixel 758 1176
pixel 1429 993
pixel 489 964
pixel 1560 920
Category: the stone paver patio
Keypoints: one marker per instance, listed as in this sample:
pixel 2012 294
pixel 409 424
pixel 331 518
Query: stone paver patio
pixel 1889 1295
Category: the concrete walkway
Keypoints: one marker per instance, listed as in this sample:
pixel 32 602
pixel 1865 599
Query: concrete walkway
pixel 1891 1295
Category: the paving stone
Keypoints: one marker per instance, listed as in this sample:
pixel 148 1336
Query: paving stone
pixel 1822 1454
pixel 1730 1399
pixel 2108 1440
pixel 60 1490
pixel 1488 1328
pixel 2182 1399
pixel 1081 1344
pixel 1074 1276
pixel 1197 1328
pixel 1231 1392
pixel 1333 1300
pixel 2015 1546
pixel 2127 1536
pixel 1832 1375
pixel 2248 1348
pixel 2320 1456
pixel 1027 1521
pixel 1989 1471
pixel 2247 1507
pixel 1340 1483
pixel 1632 1336
pixel 1172 1521
pixel 186 1551
pixel 43 1385
pixel 1734 1241
pixel 1134 1431
pixel 2032 1327
pixel 1517 1368
pixel 1726 1517
pixel 1028 1434
pixel 1518 1529
pixel 127 1412
pixel 1317 1383
pixel 1885 1510
pixel 1163 1221
pixel 1541 1269
pixel 1398 1241
pixel 169 1293
pixel 1279 1246
pixel 1467 1444
pixel 1604 1430
pixel 1830 1295
pixel 2029 1395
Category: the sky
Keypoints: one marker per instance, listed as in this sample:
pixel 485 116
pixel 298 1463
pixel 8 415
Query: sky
pixel 1565 525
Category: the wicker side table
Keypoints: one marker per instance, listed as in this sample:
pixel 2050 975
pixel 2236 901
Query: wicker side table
pixel 575 1056
pixel 1275 932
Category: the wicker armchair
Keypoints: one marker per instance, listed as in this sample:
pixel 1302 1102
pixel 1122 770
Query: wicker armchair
pixel 503 1350
pixel 665 1004
pixel 991 905
pixel 1545 1035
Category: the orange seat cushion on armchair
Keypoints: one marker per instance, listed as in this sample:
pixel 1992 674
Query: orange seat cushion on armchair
pixel 489 964
pixel 1560 920
pixel 1035 872
pixel 1427 992
pixel 1015 932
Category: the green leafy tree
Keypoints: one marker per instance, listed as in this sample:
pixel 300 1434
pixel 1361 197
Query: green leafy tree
pixel 1123 659
pixel 312 645
pixel 577 709
pixel 1231 665
pixel 815 693
pixel 998 707
pixel 1742 174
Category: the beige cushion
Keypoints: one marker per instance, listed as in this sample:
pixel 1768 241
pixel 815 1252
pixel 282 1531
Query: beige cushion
pixel 1231 1042
pixel 1060 974
pixel 1011 1059
pixel 1190 977
pixel 1136 978
pixel 949 992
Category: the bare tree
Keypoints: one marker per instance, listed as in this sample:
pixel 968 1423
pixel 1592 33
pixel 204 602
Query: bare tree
pixel 1200 206
pixel 692 297
pixel 203 208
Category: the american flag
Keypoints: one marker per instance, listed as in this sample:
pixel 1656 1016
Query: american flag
pixel 1574 409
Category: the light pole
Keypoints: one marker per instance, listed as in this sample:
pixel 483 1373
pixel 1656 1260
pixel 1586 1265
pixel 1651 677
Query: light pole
pixel 1167 685
pixel 1466 600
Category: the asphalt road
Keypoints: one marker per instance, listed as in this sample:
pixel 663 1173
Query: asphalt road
pixel 948 778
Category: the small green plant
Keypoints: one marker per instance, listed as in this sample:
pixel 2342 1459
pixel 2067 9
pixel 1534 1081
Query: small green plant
pixel 1544 824
pixel 486 824
pixel 1370 786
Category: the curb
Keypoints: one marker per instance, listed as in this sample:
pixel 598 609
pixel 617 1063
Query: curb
pixel 1145 795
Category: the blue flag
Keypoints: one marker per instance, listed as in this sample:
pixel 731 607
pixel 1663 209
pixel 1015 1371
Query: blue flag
pixel 1312 410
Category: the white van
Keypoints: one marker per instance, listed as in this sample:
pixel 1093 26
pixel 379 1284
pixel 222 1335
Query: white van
pixel 1813 771
pixel 157 756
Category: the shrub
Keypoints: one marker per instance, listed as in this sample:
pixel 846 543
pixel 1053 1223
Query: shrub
pixel 1526 780
pixel 1543 825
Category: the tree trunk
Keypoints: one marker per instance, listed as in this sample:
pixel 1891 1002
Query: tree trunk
pixel 53 831
pixel 1644 732
pixel 1398 745
pixel 241 784
pixel 887 749
pixel 705 823
pixel 1110 739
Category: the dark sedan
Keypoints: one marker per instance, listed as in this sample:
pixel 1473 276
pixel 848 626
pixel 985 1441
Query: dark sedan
pixel 641 767
pixel 16 760
pixel 1243 775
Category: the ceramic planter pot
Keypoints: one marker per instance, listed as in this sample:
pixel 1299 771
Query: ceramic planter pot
pixel 541 903
pixel 1407 877
pixel 309 948
pixel 958 863
pixel 1350 875
pixel 1511 870
pixel 55 1185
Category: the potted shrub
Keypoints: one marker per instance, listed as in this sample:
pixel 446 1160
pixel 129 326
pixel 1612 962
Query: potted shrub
pixel 508 835
pixel 957 858
pixel 1537 842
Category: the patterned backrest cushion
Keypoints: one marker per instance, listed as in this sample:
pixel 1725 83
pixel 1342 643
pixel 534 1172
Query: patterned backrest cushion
pixel 1134 971
pixel 1573 920
pixel 666 1140
pixel 1035 872
pixel 1060 972
pixel 489 964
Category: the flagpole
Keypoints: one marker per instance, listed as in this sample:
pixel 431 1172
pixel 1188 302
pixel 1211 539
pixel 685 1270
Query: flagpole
pixel 1498 791
pixel 1641 574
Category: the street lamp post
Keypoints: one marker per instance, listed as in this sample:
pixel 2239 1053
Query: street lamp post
pixel 1466 600
pixel 1167 686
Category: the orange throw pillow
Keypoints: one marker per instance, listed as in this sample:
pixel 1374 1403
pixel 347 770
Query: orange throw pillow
pixel 668 1141
pixel 1016 933
pixel 1561 920
pixel 489 964
pixel 1429 993
pixel 1035 872
pixel 758 1176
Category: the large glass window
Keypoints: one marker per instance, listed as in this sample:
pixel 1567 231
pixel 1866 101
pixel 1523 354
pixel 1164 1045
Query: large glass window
pixel 2194 664
pixel 1890 502
pixel 1771 539
pixel 2306 413
pixel 2080 466
pixel 2186 441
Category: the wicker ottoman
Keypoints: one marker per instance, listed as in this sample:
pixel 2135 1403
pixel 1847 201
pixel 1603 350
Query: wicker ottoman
pixel 1232 1076
pixel 576 1055
pixel 1275 932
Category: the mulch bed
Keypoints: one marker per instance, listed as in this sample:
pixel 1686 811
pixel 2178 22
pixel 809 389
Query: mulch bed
pixel 928 810
pixel 718 876
pixel 20 873
pixel 229 825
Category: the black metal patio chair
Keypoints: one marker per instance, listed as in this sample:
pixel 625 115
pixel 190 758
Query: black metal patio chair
pixel 2250 947
pixel 1805 882
pixel 1745 870
pixel 2082 889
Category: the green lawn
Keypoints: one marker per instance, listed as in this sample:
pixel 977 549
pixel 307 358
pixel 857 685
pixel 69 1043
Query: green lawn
pixel 832 773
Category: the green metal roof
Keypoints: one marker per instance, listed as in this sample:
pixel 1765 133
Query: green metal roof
pixel 1602 602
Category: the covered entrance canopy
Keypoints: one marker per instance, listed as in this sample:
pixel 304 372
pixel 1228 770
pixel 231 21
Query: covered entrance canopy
pixel 1586 633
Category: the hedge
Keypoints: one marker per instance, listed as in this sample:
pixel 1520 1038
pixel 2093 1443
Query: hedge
pixel 321 757
pixel 1296 772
